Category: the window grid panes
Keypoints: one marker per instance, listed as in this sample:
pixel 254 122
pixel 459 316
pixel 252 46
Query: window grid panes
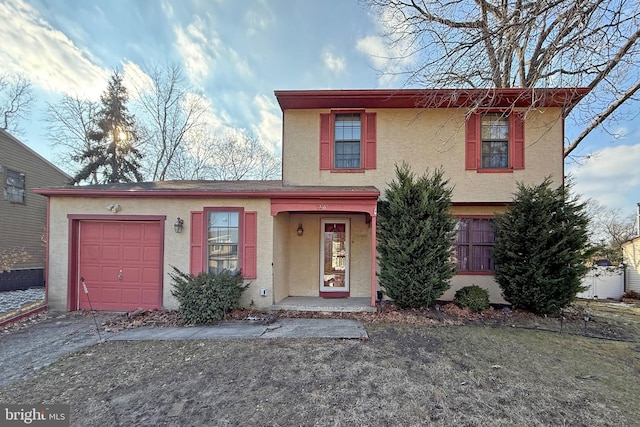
pixel 14 186
pixel 474 244
pixel 223 241
pixel 347 141
pixel 495 141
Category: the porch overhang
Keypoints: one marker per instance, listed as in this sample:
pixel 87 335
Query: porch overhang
pixel 330 200
pixel 329 204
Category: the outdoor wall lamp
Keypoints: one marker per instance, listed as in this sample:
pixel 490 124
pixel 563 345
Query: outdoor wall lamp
pixel 300 230
pixel 177 226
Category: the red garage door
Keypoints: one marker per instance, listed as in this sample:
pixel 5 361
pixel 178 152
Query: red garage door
pixel 120 262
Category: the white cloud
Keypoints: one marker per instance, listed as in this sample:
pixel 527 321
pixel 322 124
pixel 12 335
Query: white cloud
pixel 199 47
pixel 258 21
pixel 611 177
pixel 269 129
pixel 333 62
pixel 46 56
pixel 136 80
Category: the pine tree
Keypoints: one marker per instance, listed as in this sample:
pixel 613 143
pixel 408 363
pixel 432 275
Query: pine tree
pixel 541 248
pixel 415 237
pixel 112 153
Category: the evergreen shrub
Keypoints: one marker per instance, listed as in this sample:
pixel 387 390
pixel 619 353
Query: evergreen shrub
pixel 415 237
pixel 474 297
pixel 205 299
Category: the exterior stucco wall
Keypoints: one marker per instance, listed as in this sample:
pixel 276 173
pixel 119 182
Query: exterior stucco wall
pixel 303 269
pixel 176 246
pixel 425 139
pixel 281 249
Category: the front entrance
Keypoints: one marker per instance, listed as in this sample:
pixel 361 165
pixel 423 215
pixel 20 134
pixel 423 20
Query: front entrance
pixel 334 258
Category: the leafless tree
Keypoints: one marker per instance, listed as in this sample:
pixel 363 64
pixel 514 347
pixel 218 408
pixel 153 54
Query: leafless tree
pixel 192 161
pixel 243 157
pixel 609 230
pixel 69 123
pixel 169 112
pixel 520 43
pixel 16 99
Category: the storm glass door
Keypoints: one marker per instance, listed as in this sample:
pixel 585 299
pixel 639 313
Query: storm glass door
pixel 334 255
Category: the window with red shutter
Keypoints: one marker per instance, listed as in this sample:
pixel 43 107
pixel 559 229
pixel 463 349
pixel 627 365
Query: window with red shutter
pixel 494 142
pixel 347 141
pixel 224 239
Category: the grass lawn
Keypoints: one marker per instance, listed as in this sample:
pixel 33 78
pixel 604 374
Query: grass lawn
pixel 402 375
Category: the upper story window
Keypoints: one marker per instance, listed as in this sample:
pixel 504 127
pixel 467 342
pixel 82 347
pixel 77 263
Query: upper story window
pixel 348 133
pixel 14 186
pixel 347 141
pixel 494 142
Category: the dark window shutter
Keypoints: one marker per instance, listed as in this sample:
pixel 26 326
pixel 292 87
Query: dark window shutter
pixel 472 141
pixel 325 141
pixel 517 140
pixel 249 245
pixel 370 141
pixel 196 263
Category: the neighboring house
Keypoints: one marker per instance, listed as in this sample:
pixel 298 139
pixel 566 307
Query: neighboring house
pixel 631 259
pixel 310 239
pixel 23 214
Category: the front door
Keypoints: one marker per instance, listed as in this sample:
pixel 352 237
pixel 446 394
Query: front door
pixel 334 258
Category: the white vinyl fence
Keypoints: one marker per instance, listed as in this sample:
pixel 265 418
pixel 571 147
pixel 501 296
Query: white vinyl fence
pixel 603 283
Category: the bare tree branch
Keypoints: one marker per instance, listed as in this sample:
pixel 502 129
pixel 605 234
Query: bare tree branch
pixel 518 43
pixel 16 100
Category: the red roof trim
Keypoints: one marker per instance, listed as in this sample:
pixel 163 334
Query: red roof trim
pixel 209 194
pixel 429 98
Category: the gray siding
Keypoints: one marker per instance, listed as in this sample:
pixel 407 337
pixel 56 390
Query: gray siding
pixel 23 225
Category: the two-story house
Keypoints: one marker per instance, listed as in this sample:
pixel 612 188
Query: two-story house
pixel 22 213
pixel 309 240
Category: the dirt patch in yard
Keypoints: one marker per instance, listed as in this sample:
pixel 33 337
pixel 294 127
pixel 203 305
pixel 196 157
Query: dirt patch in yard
pixel 435 367
pixel 402 375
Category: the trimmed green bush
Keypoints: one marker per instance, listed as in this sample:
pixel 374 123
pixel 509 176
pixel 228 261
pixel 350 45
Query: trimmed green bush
pixel 542 248
pixel 474 297
pixel 415 234
pixel 205 299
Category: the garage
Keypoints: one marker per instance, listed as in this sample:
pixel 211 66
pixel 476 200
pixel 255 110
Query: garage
pixel 120 262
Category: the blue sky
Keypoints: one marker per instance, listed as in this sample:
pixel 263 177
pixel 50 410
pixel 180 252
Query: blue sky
pixel 236 53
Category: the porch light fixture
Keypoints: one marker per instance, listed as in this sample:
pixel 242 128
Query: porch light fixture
pixel 177 226
pixel 300 230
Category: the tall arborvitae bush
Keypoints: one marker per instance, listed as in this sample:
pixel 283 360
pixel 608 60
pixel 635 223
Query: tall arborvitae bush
pixel 541 248
pixel 415 236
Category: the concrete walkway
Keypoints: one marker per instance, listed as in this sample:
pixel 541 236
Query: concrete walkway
pixel 282 328
pixel 39 342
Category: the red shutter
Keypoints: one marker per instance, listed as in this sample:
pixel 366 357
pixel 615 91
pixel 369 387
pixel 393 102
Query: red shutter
pixel 370 141
pixel 472 141
pixel 325 141
pixel 249 245
pixel 197 240
pixel 517 140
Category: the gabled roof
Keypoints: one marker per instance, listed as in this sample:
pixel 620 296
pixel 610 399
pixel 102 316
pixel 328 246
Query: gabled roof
pixel 8 137
pixel 429 98
pixel 211 189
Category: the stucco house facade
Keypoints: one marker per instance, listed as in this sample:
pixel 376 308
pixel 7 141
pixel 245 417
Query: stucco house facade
pixel 22 213
pixel 312 235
